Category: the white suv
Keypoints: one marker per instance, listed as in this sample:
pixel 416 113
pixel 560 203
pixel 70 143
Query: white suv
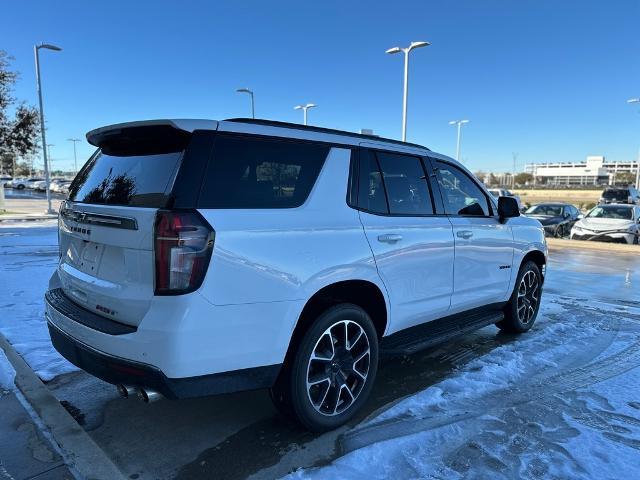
pixel 200 257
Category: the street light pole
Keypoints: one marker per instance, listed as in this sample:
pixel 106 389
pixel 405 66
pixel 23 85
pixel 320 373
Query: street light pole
pixel 459 123
pixel 50 158
pixel 405 95
pixel 304 109
pixel 36 49
pixel 632 101
pixel 250 92
pixel 75 157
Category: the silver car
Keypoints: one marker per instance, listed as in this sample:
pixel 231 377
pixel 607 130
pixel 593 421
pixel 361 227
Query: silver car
pixel 619 223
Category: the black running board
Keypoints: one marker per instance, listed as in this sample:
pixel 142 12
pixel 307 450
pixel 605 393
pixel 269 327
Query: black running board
pixel 414 339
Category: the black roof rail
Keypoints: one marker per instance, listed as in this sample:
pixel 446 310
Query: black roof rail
pixel 332 131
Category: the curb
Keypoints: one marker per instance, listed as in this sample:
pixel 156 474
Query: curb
pixel 34 218
pixel 85 456
pixel 559 243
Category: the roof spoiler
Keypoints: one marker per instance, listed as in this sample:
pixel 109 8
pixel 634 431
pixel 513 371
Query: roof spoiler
pixel 103 136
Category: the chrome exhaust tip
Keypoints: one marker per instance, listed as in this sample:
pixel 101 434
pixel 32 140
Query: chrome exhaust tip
pixel 149 396
pixel 125 391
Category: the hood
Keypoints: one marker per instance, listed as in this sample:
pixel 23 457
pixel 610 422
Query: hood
pixel 603 224
pixel 546 219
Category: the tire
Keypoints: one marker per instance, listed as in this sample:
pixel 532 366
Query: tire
pixel 20 187
pixel 332 371
pixel 522 308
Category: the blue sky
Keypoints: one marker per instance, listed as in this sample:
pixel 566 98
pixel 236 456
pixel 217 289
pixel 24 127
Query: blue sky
pixel 546 79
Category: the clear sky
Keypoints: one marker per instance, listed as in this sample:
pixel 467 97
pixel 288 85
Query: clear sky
pixel 547 79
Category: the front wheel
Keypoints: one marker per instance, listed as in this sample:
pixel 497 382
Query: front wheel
pixel 522 309
pixel 333 370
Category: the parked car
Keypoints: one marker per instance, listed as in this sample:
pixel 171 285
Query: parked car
pixel 620 195
pixel 501 192
pixel 556 218
pixel 40 186
pixel 23 183
pixel 609 223
pixel 243 254
pixel 5 179
pixel 58 186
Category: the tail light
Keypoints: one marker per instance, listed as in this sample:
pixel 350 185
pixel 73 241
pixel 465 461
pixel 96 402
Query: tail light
pixel 183 245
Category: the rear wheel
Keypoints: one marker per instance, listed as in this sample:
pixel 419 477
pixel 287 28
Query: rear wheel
pixel 332 371
pixel 522 309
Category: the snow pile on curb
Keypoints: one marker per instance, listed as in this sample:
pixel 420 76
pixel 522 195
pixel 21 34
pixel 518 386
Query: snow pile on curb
pixel 7 373
pixel 28 257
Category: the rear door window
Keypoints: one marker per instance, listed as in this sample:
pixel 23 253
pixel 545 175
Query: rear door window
pixel 406 184
pixel 261 173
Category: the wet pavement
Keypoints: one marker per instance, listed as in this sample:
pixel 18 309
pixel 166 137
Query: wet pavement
pixel 241 435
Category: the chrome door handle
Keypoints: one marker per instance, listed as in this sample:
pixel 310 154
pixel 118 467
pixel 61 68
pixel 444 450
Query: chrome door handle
pixel 389 238
pixel 464 234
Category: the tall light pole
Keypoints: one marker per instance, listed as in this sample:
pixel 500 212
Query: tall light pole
pixel 405 96
pixel 250 92
pixel 36 50
pixel 459 123
pixel 75 156
pixel 304 108
pixel 49 157
pixel 632 101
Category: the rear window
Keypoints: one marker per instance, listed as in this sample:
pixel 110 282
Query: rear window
pixel 261 173
pixel 617 193
pixel 121 179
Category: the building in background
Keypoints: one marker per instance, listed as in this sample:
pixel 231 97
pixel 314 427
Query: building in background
pixel 594 171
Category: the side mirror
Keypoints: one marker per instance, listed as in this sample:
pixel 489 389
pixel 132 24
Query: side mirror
pixel 507 208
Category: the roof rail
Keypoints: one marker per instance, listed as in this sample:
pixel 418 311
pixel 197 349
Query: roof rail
pixel 297 126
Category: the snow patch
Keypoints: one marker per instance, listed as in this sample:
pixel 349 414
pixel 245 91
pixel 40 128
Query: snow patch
pixel 7 373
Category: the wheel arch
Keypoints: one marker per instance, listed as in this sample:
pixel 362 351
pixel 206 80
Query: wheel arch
pixel 363 293
pixel 537 257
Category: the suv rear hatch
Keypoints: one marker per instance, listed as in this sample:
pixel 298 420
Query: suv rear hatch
pixel 106 227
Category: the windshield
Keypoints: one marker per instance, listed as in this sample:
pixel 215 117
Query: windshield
pixel 620 213
pixel 618 193
pixel 550 210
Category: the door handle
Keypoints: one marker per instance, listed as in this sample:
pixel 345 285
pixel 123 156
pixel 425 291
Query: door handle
pixel 389 238
pixel 464 234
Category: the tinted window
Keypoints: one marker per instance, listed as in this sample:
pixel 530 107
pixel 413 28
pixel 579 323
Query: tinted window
pixel 405 183
pixel 617 193
pixel 256 173
pixel 549 210
pixel 371 196
pixel 460 194
pixel 136 180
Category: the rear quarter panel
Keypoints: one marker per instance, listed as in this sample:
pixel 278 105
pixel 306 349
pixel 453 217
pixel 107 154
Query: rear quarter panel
pixel 280 255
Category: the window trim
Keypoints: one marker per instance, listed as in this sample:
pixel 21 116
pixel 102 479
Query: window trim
pixel 492 210
pixel 436 204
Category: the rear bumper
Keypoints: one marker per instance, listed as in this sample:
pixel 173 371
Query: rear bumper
pixel 118 370
pixel 170 361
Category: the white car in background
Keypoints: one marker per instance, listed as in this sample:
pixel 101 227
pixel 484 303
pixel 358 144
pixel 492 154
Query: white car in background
pixel 61 186
pixel 618 223
pixel 23 183
pixel 501 192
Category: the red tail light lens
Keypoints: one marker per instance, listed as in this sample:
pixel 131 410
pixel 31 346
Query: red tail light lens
pixel 183 246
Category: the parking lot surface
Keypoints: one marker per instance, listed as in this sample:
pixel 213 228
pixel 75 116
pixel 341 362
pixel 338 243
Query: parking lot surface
pixel 553 402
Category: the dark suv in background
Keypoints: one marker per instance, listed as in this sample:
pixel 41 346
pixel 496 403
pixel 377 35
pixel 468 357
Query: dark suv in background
pixel 620 195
